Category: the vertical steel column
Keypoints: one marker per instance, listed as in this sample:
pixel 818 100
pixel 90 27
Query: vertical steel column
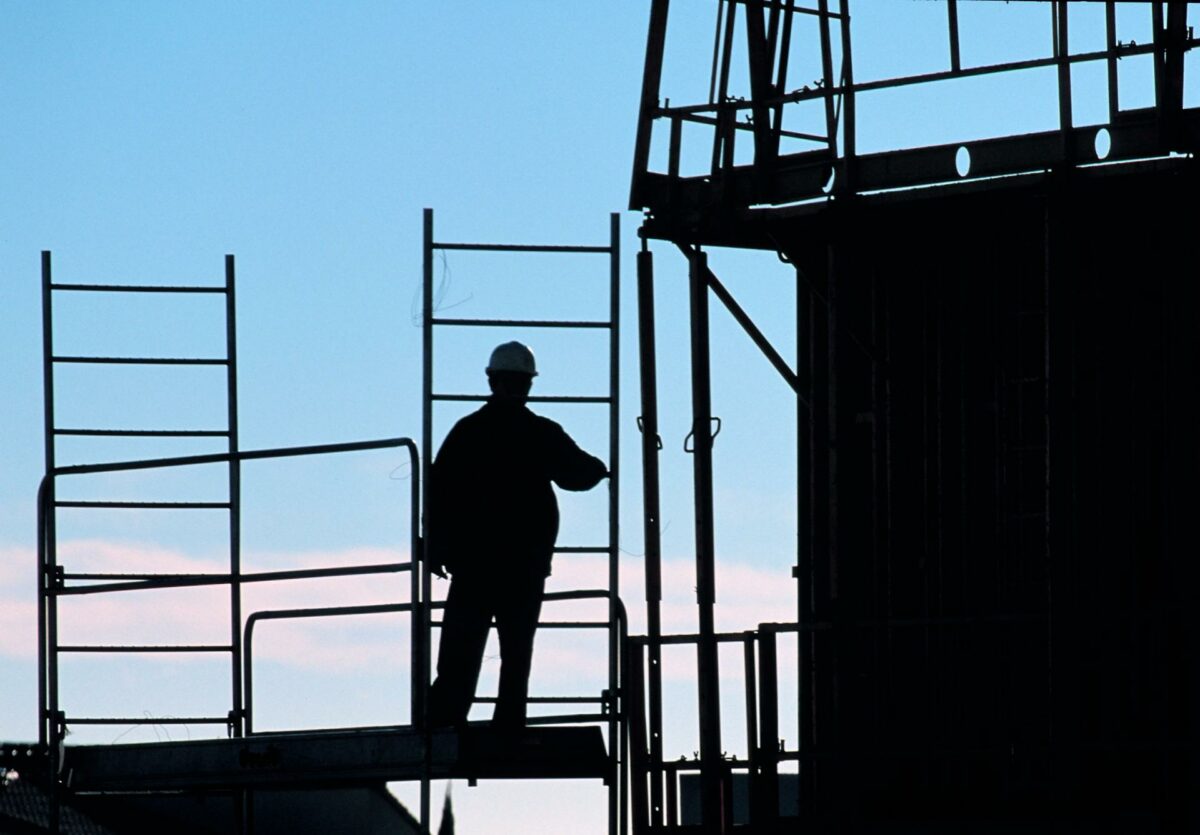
pixel 617 816
pixel 636 717
pixel 761 58
pixel 806 521
pixel 849 129
pixel 1158 33
pixel 1110 36
pixel 651 76
pixel 237 718
pixel 753 750
pixel 830 83
pixel 651 521
pixel 713 802
pixel 827 585
pixel 724 131
pixel 784 52
pixel 952 21
pixel 427 465
pixel 767 796
pixel 46 530
pixel 1062 50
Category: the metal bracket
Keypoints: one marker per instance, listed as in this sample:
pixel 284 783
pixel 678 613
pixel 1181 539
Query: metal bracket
pixel 641 428
pixel 692 434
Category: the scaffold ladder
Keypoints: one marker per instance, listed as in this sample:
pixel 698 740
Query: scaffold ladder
pixel 57 583
pixel 611 701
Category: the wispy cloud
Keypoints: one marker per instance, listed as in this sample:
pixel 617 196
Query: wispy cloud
pixel 747 596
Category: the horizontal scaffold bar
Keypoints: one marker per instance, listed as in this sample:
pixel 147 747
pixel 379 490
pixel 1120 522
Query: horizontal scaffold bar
pixel 146 433
pixel 521 248
pixel 480 398
pixel 147 505
pixel 141 360
pixel 522 323
pixel 146 720
pixel 158 648
pixel 137 288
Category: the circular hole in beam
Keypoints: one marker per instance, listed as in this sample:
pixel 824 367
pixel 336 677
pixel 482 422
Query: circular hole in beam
pixel 962 161
pixel 1103 143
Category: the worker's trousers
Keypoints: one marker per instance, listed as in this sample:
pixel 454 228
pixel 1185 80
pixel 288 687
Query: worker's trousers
pixel 515 602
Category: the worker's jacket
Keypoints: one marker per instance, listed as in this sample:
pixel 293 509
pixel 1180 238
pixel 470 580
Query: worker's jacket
pixel 491 506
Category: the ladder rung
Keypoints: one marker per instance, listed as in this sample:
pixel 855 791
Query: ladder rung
pixel 479 398
pixel 136 288
pixel 582 549
pixel 146 720
pixel 134 582
pixel 520 248
pixel 149 505
pixel 147 433
pixel 522 323
pixel 146 648
pixel 141 360
pixel 163 581
pixel 108 575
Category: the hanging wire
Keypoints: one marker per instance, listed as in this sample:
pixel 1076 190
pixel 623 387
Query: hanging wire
pixel 439 294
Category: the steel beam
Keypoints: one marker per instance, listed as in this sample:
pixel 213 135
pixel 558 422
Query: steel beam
pixel 714 805
pixel 651 523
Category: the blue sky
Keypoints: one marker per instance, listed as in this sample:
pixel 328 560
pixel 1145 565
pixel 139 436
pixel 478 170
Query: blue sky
pixel 142 142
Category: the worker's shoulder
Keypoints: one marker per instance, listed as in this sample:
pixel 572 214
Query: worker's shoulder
pixel 468 426
pixel 545 424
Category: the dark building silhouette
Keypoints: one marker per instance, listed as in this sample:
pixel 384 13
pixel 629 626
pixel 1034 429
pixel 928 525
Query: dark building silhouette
pixel 996 386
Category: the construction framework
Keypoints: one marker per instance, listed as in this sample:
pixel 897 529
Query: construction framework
pixel 995 384
pixel 128 779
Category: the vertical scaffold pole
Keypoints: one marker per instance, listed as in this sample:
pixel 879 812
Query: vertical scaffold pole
pixel 423 624
pixel 713 802
pixel 49 730
pixel 237 717
pixel 652 525
pixel 616 740
pixel 46 528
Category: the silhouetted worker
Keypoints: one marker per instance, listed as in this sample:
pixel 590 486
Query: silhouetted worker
pixel 493 522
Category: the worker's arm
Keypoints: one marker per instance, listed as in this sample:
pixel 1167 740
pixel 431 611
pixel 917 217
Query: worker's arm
pixel 570 467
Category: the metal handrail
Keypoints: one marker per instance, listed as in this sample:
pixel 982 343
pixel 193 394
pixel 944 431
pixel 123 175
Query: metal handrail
pixel 289 614
pixel 617 706
pixel 48 564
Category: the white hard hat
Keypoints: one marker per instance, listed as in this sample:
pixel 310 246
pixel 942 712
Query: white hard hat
pixel 513 356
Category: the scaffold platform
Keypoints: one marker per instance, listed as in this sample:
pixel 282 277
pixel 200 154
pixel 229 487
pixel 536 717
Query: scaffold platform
pixel 341 757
